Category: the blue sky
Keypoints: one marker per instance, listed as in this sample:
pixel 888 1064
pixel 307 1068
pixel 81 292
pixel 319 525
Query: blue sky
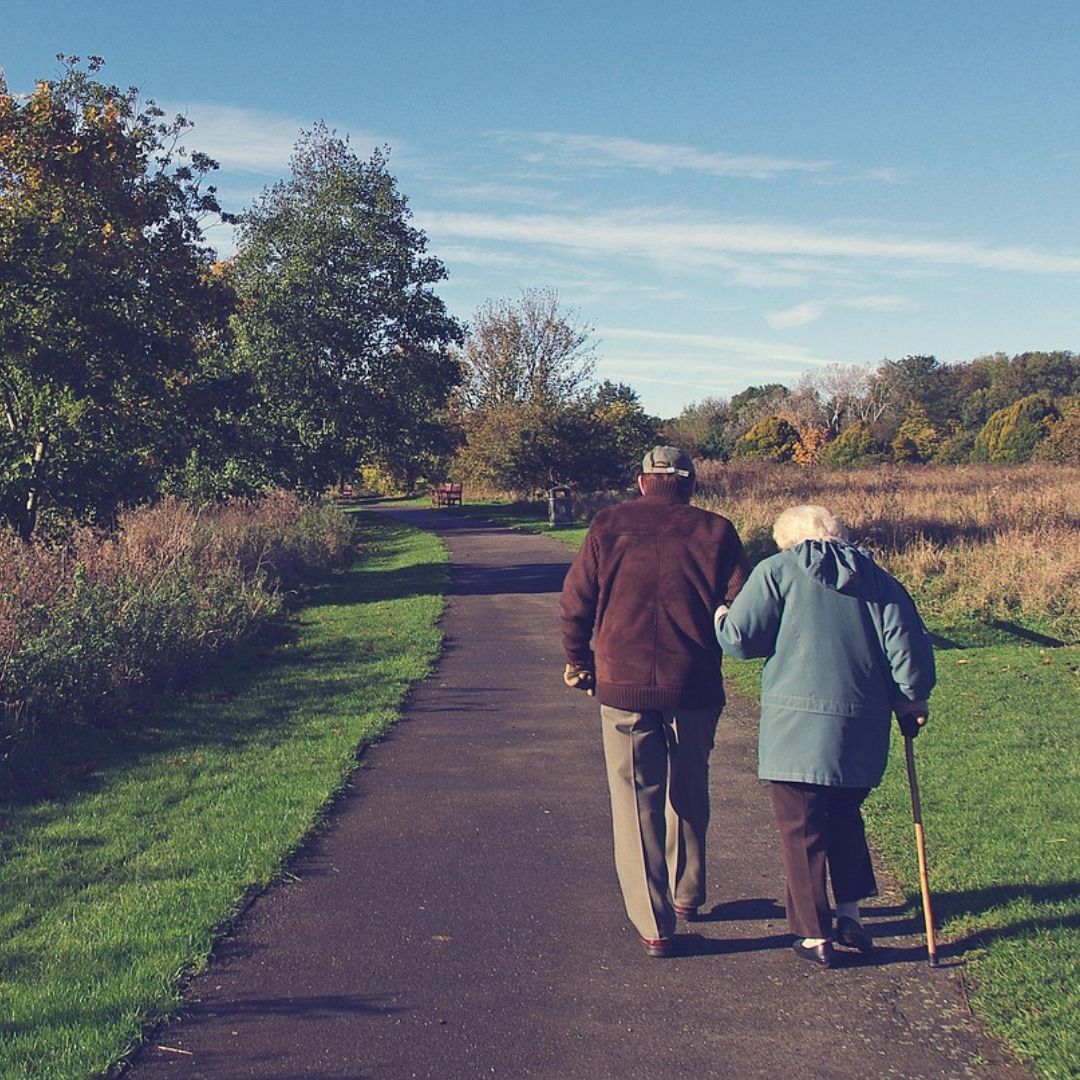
pixel 730 192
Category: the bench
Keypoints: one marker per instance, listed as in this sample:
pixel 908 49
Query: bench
pixel 447 494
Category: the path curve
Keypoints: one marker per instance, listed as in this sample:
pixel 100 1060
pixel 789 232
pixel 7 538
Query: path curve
pixel 459 917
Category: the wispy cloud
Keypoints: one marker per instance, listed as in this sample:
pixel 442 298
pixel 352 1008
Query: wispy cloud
pixel 611 151
pixel 242 138
pixel 886 174
pixel 668 239
pixel 676 364
pixel 779 352
pixel 811 310
pixel 523 194
pixel 252 140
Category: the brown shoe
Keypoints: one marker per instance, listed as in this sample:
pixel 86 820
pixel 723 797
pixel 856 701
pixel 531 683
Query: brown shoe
pixel 687 912
pixel 662 947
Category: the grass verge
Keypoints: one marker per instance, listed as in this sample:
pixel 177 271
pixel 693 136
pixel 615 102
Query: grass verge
pixel 113 892
pixel 999 777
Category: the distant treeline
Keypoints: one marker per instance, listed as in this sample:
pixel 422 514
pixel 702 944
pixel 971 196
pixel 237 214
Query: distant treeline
pixel 993 408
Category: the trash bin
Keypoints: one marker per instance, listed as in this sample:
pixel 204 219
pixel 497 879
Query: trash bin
pixel 560 507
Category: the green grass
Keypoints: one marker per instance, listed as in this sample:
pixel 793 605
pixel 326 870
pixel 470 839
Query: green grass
pixel 114 890
pixel 999 778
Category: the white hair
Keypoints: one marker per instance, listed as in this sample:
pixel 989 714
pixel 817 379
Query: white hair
pixel 799 523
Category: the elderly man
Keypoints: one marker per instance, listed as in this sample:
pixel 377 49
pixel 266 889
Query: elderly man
pixel 637 609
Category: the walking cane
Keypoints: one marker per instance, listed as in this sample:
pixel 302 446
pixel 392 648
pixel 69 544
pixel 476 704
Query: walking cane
pixel 920 847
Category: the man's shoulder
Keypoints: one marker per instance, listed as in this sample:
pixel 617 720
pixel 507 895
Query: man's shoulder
pixel 617 512
pixel 709 520
pixel 647 515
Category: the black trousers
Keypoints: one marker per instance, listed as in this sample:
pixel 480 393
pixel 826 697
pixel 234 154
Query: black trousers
pixel 821 826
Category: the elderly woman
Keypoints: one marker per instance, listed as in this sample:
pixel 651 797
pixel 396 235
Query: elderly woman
pixel 844 649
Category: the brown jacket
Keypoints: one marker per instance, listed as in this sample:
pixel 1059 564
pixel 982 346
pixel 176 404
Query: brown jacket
pixel 646 582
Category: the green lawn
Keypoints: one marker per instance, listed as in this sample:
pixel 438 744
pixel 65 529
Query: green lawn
pixel 113 891
pixel 999 776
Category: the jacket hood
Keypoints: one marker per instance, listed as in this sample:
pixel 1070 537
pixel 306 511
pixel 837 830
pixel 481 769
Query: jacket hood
pixel 835 564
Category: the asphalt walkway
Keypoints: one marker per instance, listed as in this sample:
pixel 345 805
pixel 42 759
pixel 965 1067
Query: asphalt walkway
pixel 460 918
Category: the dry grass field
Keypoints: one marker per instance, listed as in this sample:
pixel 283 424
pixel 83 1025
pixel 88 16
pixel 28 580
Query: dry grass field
pixel 985 543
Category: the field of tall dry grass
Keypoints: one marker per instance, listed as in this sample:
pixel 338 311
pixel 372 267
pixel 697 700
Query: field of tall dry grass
pixel 90 626
pixel 970 542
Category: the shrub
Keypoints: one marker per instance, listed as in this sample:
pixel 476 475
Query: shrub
pixel 955 448
pixel 813 440
pixel 772 438
pixel 1062 443
pixel 1011 434
pixel 854 446
pixel 89 625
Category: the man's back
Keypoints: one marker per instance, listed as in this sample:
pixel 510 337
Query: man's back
pixel 645 583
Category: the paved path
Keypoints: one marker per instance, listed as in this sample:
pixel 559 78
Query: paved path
pixel 459 917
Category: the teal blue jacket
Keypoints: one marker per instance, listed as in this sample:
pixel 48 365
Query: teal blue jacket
pixel 843 644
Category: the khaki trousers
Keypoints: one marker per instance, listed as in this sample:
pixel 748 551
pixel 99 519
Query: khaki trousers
pixel 658 777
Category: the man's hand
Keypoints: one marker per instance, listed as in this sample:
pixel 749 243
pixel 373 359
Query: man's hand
pixel 580 678
pixel 911 716
pixel 719 615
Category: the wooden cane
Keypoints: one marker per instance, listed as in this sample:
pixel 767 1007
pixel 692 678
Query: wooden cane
pixel 920 847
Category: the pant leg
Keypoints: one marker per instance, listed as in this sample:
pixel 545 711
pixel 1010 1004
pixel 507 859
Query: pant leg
pixel 800 812
pixel 692 734
pixel 851 872
pixel 636 754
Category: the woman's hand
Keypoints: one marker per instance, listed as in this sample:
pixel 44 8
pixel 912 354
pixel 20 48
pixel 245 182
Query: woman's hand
pixel 911 716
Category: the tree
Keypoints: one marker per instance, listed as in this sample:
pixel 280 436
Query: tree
pixel 990 383
pixel 916 438
pixel 346 344
pixel 701 429
pixel 531 351
pixel 841 391
pixel 531 415
pixel 109 303
pixel 525 448
pixel 1062 443
pixel 924 382
pixel 624 431
pixel 751 405
pixel 1012 434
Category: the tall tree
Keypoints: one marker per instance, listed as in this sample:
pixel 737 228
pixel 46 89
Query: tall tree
pixel 531 414
pixel 920 381
pixel 346 342
pixel 108 299
pixel 533 350
pixel 701 429
pixel 624 431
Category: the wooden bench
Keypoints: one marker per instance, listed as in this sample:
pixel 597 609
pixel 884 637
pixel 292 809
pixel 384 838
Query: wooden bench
pixel 447 494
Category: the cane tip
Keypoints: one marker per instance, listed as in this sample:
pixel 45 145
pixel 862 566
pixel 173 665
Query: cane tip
pixel 933 961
